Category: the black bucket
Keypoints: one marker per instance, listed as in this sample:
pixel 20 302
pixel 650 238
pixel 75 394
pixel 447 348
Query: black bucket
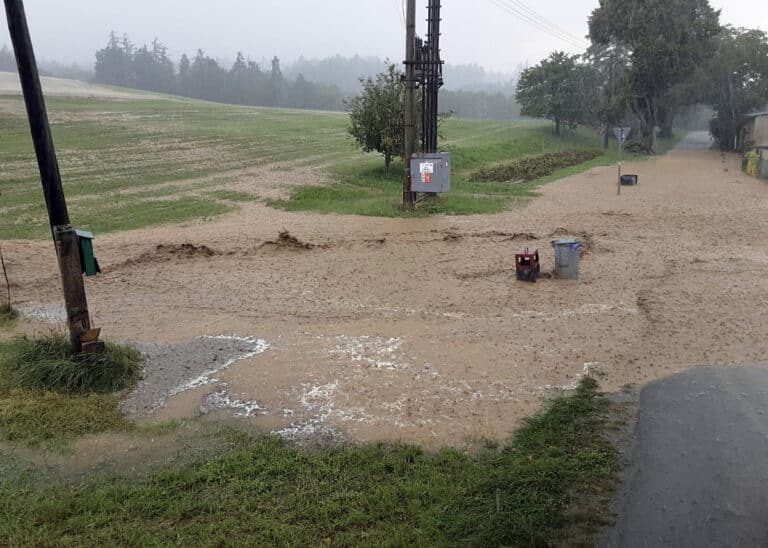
pixel 629 180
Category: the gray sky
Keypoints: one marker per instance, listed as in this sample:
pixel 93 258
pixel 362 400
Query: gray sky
pixel 474 30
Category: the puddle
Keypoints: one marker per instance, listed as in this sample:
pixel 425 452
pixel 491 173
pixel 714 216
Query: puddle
pixel 172 370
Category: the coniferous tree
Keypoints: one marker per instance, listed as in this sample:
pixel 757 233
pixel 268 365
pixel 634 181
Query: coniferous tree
pixel 7 60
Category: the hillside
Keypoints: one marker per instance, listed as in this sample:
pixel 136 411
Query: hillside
pixel 132 159
pixel 61 87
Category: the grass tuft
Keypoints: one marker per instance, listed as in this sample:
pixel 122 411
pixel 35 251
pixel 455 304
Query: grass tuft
pixel 8 317
pixel 46 364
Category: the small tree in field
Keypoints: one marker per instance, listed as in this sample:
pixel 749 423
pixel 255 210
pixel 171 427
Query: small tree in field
pixel 377 115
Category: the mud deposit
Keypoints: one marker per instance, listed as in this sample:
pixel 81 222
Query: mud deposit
pixel 416 328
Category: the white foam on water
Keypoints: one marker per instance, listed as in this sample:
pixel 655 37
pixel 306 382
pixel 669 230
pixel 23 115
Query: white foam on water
pixel 586 372
pixel 376 352
pixel 48 313
pixel 245 409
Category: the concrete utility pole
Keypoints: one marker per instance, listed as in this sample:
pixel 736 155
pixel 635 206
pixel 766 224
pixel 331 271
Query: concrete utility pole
pixel 64 236
pixel 410 100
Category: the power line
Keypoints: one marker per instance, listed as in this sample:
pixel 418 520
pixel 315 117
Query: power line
pixel 526 18
pixel 400 9
pixel 540 23
pixel 534 14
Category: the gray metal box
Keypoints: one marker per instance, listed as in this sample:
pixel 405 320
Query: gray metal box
pixel 431 172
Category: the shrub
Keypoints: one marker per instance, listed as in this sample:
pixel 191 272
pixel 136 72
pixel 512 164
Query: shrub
pixel 636 147
pixel 752 163
pixel 535 167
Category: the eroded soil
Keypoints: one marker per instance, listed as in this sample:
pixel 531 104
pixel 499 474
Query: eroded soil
pixel 416 329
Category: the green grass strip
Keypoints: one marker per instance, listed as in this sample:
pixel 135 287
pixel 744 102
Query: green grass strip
pixel 265 492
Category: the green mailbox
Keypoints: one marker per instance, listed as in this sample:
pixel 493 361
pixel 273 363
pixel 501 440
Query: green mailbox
pixel 88 260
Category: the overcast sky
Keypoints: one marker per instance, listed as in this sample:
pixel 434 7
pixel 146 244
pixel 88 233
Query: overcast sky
pixel 474 31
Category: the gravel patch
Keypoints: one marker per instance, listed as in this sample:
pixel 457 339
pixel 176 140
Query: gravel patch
pixel 171 370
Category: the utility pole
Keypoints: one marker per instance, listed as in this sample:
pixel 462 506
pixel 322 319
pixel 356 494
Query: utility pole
pixel 64 236
pixel 410 100
pixel 621 150
pixel 432 79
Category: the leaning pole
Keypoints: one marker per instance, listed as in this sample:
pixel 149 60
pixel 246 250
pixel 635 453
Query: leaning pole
pixel 64 236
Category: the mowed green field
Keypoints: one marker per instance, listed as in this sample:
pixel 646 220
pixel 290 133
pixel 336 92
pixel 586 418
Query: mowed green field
pixel 134 163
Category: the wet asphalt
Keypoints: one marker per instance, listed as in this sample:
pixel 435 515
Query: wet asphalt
pixel 698 472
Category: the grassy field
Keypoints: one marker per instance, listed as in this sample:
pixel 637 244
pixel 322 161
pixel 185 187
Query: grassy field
pixel 543 487
pixel 365 188
pixel 134 163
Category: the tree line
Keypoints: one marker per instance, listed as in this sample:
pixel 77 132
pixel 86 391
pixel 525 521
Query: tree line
pixel 149 68
pixel 327 84
pixel 648 63
pixel 245 82
pixel 7 60
pixel 46 67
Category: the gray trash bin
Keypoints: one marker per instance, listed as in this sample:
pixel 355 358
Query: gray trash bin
pixel 567 258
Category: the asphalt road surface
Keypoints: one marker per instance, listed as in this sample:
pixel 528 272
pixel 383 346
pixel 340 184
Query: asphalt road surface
pixel 699 468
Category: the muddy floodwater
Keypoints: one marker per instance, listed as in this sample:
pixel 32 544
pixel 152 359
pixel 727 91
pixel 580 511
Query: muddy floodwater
pixel 416 329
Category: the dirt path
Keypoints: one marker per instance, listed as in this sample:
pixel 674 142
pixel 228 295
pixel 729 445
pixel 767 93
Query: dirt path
pixel 416 329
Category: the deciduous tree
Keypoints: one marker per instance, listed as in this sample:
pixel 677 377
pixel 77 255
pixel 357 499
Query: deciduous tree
pixel 737 80
pixel 666 41
pixel 377 115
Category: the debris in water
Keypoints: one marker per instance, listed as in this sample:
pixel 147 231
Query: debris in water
pixel 287 241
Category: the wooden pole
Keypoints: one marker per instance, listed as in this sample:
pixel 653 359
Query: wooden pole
pixel 621 149
pixel 64 236
pixel 410 100
pixel 7 282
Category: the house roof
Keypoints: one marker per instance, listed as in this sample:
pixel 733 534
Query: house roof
pixel 752 116
pixel 755 115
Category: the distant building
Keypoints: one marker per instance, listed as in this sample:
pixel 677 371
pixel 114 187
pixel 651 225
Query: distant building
pixel 753 136
pixel 753 132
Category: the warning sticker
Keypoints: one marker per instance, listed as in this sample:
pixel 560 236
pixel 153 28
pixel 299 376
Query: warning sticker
pixel 427 170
